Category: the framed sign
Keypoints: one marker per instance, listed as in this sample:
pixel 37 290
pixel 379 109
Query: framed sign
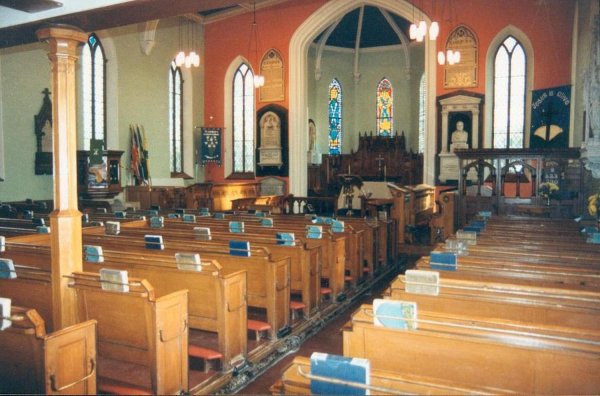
pixel 464 73
pixel 550 117
pixel 271 67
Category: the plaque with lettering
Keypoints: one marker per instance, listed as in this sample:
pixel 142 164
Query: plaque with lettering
pixel 271 68
pixel 270 140
pixel 464 73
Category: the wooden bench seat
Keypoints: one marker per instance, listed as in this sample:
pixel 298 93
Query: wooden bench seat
pixel 305 261
pixel 139 328
pixel 527 304
pixel 333 245
pixel 294 382
pixel 34 362
pixel 268 280
pixel 466 349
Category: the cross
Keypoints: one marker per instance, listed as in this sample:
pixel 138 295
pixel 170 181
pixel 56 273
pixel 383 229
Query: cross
pixel 379 159
pixel 547 113
pixel 46 92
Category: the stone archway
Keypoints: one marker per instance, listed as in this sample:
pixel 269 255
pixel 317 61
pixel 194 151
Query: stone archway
pixel 299 45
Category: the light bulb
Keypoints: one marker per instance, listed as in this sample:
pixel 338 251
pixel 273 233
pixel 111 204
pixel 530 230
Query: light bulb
pixel 434 30
pixel 450 57
pixel 423 28
pixel 256 81
pixel 188 61
pixel 180 59
pixel 420 37
pixel 197 61
pixel 413 31
pixel 441 58
pixel 261 80
pixel 456 57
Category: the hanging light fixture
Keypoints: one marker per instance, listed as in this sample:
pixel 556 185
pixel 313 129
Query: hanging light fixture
pixel 192 59
pixel 452 57
pixel 419 31
pixel 259 80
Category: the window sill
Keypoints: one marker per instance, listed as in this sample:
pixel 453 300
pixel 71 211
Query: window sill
pixel 242 176
pixel 181 175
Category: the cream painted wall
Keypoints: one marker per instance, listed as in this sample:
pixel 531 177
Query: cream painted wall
pixel 359 112
pixel 139 95
pixel 25 72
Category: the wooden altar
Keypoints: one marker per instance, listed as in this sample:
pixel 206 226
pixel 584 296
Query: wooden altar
pixel 377 159
pixel 506 180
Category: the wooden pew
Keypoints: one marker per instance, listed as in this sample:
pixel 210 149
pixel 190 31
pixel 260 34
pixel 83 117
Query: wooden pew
pixel 150 340
pixel 523 273
pixel 294 381
pixel 527 304
pixel 216 301
pixel 268 280
pixel 32 287
pixel 33 362
pixel 333 245
pixel 499 354
pixel 305 260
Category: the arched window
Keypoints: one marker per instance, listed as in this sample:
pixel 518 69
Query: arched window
pixel 243 120
pixel 422 114
pixel 335 117
pixel 510 81
pixel 175 118
pixel 93 63
pixel 385 108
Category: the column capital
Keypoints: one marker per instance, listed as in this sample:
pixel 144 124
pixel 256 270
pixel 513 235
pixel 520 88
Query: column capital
pixel 63 39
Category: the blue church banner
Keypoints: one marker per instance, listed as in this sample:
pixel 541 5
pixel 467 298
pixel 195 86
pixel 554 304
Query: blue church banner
pixel 211 145
pixel 550 116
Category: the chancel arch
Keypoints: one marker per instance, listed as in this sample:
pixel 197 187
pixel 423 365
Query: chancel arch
pixel 299 74
pixel 499 43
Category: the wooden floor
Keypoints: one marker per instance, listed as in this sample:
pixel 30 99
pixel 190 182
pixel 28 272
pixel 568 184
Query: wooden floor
pixel 328 340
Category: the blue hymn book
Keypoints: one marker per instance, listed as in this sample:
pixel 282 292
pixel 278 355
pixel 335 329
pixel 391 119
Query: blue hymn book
pixel 340 368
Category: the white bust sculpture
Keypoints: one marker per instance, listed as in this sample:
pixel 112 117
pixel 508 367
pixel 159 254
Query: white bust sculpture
pixel 459 137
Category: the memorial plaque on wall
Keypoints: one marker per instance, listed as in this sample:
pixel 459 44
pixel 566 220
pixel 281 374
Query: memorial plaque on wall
pixel 464 73
pixel 271 67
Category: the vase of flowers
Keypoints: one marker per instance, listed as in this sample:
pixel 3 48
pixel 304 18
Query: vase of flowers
pixel 594 206
pixel 547 189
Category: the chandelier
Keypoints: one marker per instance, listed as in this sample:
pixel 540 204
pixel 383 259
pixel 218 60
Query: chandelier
pixel 192 59
pixel 259 80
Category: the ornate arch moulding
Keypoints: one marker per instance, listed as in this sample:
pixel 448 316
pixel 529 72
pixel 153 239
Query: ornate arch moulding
pixel 299 45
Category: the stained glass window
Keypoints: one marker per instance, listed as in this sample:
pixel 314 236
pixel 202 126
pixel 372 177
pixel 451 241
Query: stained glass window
pixel 243 120
pixel 510 75
pixel 335 117
pixel 422 114
pixel 385 108
pixel 175 118
pixel 93 63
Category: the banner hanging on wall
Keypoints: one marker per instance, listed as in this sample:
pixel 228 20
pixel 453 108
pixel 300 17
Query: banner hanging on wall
pixel 211 145
pixel 550 117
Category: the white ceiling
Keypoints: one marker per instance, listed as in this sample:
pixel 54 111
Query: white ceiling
pixel 10 17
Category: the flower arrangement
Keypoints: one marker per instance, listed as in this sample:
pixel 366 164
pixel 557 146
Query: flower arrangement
pixel 548 188
pixel 593 203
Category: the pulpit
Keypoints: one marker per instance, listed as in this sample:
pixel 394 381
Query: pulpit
pixel 102 181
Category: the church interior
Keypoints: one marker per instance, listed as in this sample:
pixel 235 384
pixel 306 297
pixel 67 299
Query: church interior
pixel 300 197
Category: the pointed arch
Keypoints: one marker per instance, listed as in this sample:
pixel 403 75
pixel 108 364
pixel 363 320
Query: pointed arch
pixel 299 45
pixel 93 63
pixel 175 119
pixel 245 121
pixel 385 108
pixel 492 96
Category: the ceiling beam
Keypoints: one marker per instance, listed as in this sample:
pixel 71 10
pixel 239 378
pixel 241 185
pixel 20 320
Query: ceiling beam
pixel 357 44
pixel 112 16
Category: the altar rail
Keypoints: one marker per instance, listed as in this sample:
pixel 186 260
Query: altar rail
pixel 507 181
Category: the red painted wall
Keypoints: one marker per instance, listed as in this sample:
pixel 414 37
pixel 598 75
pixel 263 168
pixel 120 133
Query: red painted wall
pixel 550 34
